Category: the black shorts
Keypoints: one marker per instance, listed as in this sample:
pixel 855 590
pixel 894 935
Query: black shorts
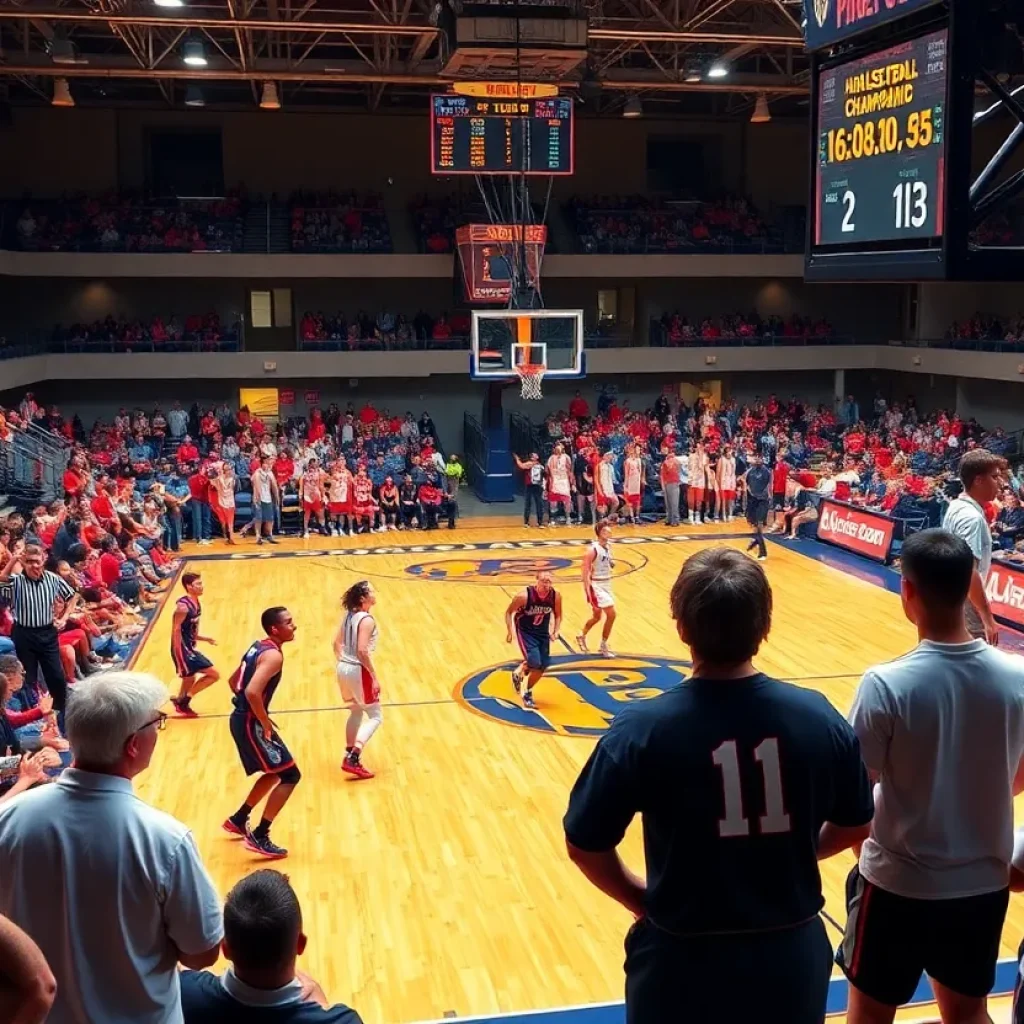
pixel 255 752
pixel 757 511
pixel 891 940
pixel 190 663
pixel 778 500
pixel 693 980
pixel 536 649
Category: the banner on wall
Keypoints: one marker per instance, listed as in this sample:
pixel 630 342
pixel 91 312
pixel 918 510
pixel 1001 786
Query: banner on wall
pixel 288 397
pixel 856 529
pixel 261 402
pixel 1005 590
pixel 312 398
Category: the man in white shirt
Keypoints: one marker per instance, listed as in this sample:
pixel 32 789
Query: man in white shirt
pixel 111 889
pixel 942 731
pixel 981 473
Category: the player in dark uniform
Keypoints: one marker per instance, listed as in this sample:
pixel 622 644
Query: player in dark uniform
pixel 260 746
pixel 195 670
pixel 534 617
pixel 744 783
pixel 758 481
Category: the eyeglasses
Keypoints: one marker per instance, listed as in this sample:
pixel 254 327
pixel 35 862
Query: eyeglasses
pixel 160 722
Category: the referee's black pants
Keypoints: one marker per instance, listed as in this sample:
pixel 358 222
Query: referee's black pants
pixel 38 651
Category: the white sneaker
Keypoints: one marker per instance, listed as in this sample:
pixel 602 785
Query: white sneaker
pixel 581 643
pixel 605 651
pixel 305 534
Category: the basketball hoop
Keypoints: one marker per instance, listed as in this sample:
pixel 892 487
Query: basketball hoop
pixel 531 376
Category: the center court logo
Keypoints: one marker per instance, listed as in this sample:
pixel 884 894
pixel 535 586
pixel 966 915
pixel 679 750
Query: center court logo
pixel 517 571
pixel 579 696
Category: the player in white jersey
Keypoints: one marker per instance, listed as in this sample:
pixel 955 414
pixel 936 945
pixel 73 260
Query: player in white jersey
pixel 597 586
pixel 727 483
pixel 633 483
pixel 560 483
pixel 354 645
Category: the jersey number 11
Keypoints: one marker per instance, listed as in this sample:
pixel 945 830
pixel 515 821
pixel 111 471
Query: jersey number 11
pixel 775 819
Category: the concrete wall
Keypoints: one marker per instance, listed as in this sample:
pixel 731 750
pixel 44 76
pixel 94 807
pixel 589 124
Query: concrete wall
pixel 48 151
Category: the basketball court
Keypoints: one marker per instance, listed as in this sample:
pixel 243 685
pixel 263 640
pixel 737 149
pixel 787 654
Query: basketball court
pixel 441 888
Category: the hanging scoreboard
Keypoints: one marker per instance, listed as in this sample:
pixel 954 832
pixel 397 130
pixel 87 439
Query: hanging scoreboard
pixel 881 146
pixel 487 135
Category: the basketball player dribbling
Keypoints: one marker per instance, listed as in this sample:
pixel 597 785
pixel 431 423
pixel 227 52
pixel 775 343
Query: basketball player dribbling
pixel 597 587
pixel 195 670
pixel 260 747
pixel 354 644
pixel 534 616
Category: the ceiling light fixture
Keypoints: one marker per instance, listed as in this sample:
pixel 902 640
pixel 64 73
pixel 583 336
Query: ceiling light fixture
pixel 169 3
pixel 718 71
pixel 633 108
pixel 270 99
pixel 761 114
pixel 693 74
pixel 194 97
pixel 62 94
pixel 194 54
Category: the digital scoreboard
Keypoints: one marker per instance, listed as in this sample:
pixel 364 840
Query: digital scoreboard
pixel 486 135
pixel 881 153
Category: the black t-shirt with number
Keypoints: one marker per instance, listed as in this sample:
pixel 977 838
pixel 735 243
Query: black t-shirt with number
pixel 733 780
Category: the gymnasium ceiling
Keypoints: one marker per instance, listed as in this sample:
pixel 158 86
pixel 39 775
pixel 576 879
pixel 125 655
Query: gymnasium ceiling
pixel 388 55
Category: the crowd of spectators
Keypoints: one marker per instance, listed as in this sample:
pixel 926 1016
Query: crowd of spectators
pixel 638 224
pixel 338 222
pixel 148 480
pixel 676 329
pixel 125 222
pixel 386 330
pixel 165 334
pixel 895 459
pixel 983 330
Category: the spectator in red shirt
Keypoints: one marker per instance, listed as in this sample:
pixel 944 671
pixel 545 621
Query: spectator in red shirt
pixel 202 523
pixel 368 414
pixel 284 468
pixel 187 452
pixel 102 506
pixel 430 498
pixel 578 408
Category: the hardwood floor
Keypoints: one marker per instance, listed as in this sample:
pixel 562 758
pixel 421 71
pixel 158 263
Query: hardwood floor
pixel 442 885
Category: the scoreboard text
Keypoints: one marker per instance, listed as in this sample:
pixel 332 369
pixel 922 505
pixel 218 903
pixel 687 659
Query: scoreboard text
pixel 881 146
pixel 470 135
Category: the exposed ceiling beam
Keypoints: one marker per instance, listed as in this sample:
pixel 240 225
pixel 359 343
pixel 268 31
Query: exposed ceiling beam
pixel 724 38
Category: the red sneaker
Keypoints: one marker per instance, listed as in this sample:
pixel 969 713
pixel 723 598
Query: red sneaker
pixel 232 829
pixel 356 768
pixel 183 708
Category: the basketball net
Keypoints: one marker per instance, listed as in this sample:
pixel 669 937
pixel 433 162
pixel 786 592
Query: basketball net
pixel 531 377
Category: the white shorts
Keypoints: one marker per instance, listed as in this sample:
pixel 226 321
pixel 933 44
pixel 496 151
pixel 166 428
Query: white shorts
pixel 357 686
pixel 601 594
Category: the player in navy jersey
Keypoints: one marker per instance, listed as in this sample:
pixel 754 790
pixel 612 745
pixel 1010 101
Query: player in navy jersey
pixel 259 745
pixel 195 670
pixel 744 783
pixel 534 616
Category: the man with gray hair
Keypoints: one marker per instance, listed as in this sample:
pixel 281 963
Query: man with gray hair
pixel 111 889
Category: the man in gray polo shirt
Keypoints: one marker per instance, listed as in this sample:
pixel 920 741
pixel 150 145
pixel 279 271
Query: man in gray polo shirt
pixel 981 473
pixel 942 731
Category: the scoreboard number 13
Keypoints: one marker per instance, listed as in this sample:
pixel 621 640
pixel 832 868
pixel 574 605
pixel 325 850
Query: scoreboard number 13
pixel 910 202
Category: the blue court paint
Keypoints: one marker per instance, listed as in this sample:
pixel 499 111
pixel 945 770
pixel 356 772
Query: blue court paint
pixel 615 1013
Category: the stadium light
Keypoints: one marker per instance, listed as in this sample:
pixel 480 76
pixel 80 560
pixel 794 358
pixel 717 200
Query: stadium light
pixel 194 54
pixel 194 97
pixel 270 99
pixel 168 3
pixel 633 108
pixel 718 71
pixel 693 74
pixel 62 94
pixel 761 114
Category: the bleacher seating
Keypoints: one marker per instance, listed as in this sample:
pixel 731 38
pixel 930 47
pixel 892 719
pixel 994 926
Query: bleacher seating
pixel 346 222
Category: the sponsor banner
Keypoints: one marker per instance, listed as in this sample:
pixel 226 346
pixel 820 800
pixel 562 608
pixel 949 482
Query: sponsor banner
pixel 287 396
pixel 312 398
pixel 829 21
pixel 1005 589
pixel 856 529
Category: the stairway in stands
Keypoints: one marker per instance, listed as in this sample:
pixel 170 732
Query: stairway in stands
pixel 267 229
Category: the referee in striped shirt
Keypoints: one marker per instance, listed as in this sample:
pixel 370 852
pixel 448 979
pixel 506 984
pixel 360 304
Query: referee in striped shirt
pixel 35 595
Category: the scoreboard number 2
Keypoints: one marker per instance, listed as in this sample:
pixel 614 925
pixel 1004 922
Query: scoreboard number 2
pixel 911 199
pixel 850 202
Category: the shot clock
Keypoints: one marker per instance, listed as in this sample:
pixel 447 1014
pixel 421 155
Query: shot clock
pixel 881 146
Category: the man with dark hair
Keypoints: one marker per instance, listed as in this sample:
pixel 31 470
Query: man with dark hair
pixel 744 783
pixel 981 473
pixel 195 670
pixel 758 479
pixel 262 938
pixel 260 748
pixel 942 731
